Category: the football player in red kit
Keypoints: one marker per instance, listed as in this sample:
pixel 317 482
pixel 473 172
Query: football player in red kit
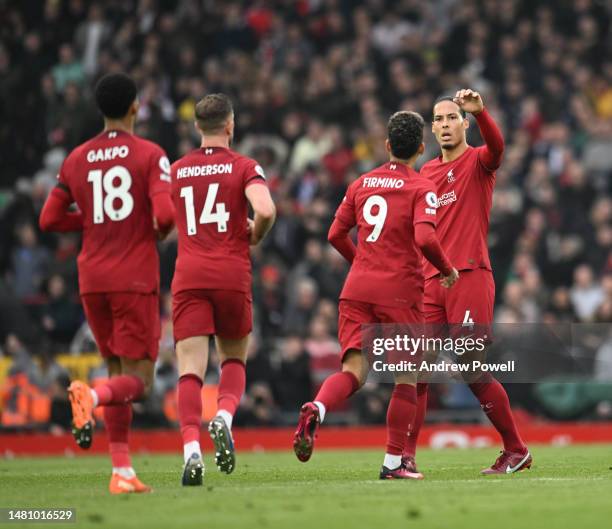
pixel 394 210
pixel 212 188
pixel 464 178
pixel 121 185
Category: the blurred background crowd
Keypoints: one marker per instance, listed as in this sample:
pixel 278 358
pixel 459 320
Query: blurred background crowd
pixel 313 84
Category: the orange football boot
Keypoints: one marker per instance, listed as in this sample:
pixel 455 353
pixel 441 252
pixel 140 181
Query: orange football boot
pixel 83 422
pixel 120 485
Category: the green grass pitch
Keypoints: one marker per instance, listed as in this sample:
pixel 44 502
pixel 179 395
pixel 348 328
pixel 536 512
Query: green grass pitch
pixel 567 487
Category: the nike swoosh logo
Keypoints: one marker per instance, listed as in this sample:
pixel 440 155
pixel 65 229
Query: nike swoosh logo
pixel 510 470
pixel 125 485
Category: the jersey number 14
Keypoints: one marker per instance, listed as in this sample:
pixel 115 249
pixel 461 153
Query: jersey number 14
pixel 220 216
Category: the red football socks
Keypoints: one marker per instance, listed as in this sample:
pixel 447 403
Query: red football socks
pixel 231 385
pixel 419 418
pixel 400 414
pixel 120 389
pixel 494 402
pixel 190 407
pixel 337 388
pixel 117 420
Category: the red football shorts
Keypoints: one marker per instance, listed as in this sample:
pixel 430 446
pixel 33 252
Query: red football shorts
pixel 354 314
pixel 224 313
pixel 124 324
pixel 468 303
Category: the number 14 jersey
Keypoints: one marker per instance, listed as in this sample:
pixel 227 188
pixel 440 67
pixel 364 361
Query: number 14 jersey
pixel 112 178
pixel 208 190
pixel 385 204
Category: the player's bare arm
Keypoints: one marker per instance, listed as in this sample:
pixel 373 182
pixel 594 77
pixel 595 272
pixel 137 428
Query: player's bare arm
pixel 265 212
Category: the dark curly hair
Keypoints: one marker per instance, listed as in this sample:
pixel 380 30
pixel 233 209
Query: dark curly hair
pixel 114 94
pixel 405 133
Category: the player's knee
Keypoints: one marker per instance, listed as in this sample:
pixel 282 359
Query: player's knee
pixel 354 363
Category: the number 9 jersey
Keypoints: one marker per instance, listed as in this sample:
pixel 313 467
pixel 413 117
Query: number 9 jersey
pixel 208 187
pixel 113 178
pixel 385 204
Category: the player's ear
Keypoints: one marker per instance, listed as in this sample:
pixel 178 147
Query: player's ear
pixel 388 145
pixel 229 126
pixel 134 107
pixel 421 149
pixel 466 123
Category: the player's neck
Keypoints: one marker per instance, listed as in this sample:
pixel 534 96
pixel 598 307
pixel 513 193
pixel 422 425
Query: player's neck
pixel 215 141
pixel 119 124
pixel 410 163
pixel 450 155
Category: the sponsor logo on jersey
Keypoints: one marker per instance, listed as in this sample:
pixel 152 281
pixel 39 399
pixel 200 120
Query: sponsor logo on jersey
pixel 376 181
pixel 450 177
pixel 447 198
pixel 204 170
pixel 109 153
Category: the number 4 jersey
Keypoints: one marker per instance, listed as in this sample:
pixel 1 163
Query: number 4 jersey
pixel 385 204
pixel 208 190
pixel 113 178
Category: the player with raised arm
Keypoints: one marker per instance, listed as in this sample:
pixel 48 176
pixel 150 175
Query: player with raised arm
pixel 464 178
pixel 121 185
pixel 212 188
pixel 394 210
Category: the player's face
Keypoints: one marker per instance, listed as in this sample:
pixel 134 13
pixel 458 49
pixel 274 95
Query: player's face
pixel 448 125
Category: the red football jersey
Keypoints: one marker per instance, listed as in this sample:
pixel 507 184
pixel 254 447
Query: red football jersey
pixel 112 178
pixel 465 191
pixel 208 186
pixel 385 204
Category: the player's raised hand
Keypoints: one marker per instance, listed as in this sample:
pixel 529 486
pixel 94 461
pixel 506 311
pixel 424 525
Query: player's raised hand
pixel 469 101
pixel 449 280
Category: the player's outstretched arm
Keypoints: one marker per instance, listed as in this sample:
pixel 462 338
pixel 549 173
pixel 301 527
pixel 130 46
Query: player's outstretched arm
pixel 338 237
pixel 492 152
pixel 265 211
pixel 426 239
pixel 55 215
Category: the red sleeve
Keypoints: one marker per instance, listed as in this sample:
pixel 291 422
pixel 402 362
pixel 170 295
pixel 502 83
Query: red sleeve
pixel 159 173
pixel 55 215
pixel 426 239
pixel 346 209
pixel 163 212
pixel 425 204
pixel 338 237
pixel 253 174
pixel 490 154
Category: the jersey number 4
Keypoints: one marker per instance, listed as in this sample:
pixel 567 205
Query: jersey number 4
pixel 219 216
pixel 115 194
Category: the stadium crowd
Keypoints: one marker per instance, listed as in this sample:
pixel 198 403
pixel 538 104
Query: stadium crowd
pixel 313 83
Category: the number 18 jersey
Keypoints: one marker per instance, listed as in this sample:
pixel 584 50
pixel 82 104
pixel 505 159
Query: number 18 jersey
pixel 112 178
pixel 385 204
pixel 208 190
